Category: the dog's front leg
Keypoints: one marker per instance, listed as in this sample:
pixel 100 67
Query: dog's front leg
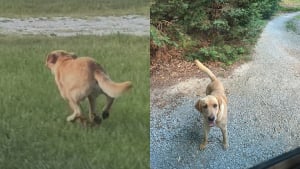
pixel 205 140
pixel 225 139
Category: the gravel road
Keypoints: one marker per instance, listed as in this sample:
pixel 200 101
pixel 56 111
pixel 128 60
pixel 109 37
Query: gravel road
pixel 264 114
pixel 66 26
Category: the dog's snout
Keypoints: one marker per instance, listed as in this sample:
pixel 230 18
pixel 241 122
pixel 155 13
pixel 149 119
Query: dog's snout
pixel 212 118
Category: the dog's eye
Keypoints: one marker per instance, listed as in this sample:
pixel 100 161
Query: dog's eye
pixel 215 105
pixel 205 106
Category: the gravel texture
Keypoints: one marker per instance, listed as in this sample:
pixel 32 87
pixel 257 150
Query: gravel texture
pixel 66 26
pixel 264 114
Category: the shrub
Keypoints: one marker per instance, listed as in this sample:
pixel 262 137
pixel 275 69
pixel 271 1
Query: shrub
pixel 210 24
pixel 226 54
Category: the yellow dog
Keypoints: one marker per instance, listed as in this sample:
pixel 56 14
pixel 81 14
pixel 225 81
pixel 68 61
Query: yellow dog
pixel 78 78
pixel 213 107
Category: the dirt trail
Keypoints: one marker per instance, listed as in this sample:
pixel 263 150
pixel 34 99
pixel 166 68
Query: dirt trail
pixel 264 114
pixel 66 26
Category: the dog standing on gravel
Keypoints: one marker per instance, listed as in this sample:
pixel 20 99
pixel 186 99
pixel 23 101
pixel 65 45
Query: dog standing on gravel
pixel 78 78
pixel 213 107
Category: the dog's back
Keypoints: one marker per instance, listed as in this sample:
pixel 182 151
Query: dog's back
pixel 82 73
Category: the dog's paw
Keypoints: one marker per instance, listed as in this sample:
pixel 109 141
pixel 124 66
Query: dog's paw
pixel 202 146
pixel 105 114
pixel 71 118
pixel 225 146
pixel 97 120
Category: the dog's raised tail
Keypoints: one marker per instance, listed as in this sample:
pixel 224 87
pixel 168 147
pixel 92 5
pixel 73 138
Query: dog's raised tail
pixel 206 70
pixel 110 87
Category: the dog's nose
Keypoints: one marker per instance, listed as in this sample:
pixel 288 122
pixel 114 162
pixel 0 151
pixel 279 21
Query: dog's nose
pixel 211 118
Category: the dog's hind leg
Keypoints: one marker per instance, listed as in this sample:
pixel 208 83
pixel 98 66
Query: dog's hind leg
pixel 106 109
pixel 92 110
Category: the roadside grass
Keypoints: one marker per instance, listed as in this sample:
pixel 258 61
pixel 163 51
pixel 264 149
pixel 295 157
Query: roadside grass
pixel 74 8
pixel 290 5
pixel 33 129
pixel 291 25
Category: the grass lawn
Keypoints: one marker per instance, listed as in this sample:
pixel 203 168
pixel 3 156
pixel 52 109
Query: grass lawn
pixel 291 25
pixel 33 129
pixel 290 5
pixel 76 8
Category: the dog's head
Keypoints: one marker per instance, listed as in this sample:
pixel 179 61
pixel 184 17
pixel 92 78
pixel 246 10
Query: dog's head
pixel 210 106
pixel 56 56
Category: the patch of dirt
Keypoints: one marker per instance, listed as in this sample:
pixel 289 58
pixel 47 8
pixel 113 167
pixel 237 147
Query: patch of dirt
pixel 168 67
pixel 68 26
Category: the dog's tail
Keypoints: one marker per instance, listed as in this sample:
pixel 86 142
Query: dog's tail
pixel 110 87
pixel 206 70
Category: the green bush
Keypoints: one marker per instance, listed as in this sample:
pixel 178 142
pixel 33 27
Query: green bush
pixel 159 38
pixel 226 54
pixel 215 23
pixel 267 8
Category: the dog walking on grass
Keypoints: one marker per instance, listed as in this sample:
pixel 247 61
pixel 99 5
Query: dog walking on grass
pixel 78 78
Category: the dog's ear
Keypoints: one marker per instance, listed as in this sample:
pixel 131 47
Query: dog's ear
pixel 51 58
pixel 198 105
pixel 221 103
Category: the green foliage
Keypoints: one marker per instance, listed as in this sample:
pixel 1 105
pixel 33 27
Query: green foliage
pixel 291 24
pixel 226 54
pixel 212 22
pixel 267 7
pixel 159 38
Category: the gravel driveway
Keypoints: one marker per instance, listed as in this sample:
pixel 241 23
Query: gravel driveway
pixel 66 26
pixel 264 110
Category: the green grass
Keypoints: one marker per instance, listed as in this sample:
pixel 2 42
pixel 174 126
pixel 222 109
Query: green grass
pixel 33 129
pixel 291 24
pixel 76 8
pixel 290 5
